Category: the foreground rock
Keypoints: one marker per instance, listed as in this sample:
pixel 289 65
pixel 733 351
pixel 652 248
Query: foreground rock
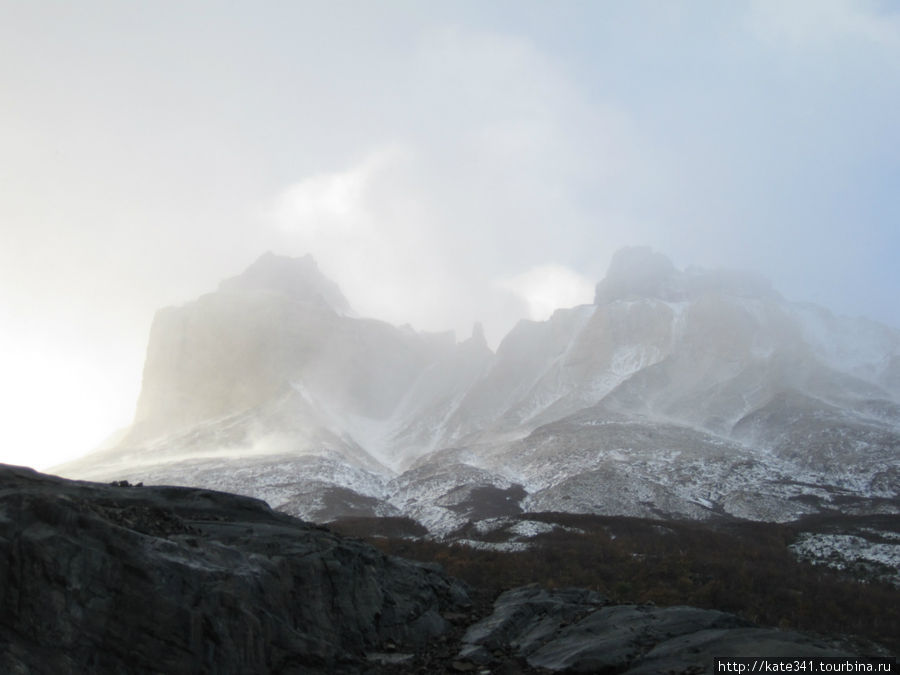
pixel 114 579
pixel 573 631
pixel 130 579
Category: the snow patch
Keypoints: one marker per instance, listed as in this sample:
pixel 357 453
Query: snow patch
pixel 880 560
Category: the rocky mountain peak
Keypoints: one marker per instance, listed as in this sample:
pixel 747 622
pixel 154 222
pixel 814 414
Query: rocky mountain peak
pixel 299 278
pixel 671 388
pixel 477 337
pixel 640 272
pixel 737 283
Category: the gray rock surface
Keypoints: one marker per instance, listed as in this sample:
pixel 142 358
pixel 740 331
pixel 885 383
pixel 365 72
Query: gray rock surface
pixel 524 619
pixel 114 579
pixel 572 630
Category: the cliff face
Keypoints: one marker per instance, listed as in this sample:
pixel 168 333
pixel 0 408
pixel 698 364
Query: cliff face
pixel 281 326
pixel 97 578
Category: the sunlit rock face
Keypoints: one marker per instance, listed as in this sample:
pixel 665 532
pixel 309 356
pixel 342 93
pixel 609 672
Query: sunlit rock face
pixel 694 393
pixel 280 326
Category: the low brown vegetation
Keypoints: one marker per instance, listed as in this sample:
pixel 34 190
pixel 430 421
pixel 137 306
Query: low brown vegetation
pixel 740 567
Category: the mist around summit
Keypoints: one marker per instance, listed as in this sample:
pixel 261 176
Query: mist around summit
pixel 698 394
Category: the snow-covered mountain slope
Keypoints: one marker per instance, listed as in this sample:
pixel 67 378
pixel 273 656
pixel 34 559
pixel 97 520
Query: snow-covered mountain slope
pixel 690 394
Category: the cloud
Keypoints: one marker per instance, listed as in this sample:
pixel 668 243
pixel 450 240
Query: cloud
pixel 508 172
pixel 546 288
pixel 368 230
pixel 375 228
pixel 338 204
pixel 825 23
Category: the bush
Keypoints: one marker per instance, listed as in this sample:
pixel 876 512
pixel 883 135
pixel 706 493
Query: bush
pixel 740 567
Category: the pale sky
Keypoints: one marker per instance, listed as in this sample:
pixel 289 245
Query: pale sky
pixel 445 162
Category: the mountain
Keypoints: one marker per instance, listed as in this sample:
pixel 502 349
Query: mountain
pixel 677 393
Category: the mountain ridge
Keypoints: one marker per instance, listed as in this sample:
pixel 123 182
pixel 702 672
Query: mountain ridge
pixel 271 387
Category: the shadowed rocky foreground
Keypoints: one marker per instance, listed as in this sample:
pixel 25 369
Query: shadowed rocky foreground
pixel 120 579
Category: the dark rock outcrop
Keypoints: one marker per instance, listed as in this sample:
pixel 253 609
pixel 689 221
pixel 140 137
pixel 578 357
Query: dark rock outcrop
pixel 116 579
pixel 129 579
pixel 571 630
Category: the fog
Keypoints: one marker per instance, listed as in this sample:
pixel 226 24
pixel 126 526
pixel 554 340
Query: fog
pixel 445 163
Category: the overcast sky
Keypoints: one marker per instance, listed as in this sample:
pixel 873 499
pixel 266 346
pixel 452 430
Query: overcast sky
pixel 445 162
